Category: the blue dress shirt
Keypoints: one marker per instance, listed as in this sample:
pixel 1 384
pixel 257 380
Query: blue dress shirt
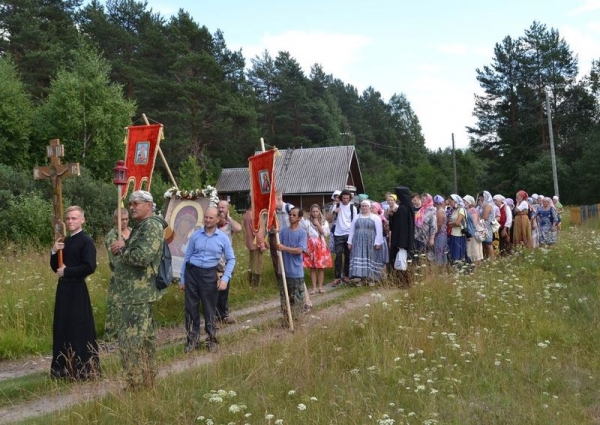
pixel 205 251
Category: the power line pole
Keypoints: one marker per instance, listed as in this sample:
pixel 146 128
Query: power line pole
pixel 454 166
pixel 552 154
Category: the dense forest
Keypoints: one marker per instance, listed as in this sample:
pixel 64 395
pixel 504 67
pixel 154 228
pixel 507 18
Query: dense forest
pixel 82 72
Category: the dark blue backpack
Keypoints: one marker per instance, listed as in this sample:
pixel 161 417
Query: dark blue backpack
pixel 165 268
pixel 469 230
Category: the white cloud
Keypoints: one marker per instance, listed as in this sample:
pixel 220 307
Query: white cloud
pixel 430 68
pixel 587 6
pixel 594 26
pixel 456 49
pixel 334 51
pixel 584 44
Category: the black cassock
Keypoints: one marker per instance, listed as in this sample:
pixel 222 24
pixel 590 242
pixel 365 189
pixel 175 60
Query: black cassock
pixel 74 347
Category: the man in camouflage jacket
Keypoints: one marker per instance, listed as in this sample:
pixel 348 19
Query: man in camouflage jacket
pixel 111 324
pixel 136 264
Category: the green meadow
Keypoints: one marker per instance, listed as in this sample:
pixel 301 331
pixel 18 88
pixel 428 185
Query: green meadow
pixel 514 342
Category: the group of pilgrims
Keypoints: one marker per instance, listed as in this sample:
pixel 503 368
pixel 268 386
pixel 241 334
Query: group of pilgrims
pixel 446 231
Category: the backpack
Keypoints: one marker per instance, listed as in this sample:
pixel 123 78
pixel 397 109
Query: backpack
pixel 469 230
pixel 165 268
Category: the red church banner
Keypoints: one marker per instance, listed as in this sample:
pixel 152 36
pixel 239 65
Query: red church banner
pixel 142 146
pixel 262 188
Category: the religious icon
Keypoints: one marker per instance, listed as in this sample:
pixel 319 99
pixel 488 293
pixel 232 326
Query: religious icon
pixel 141 152
pixel 184 217
pixel 265 181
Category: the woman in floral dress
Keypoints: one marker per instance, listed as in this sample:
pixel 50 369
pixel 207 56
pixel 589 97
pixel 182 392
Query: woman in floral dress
pixel 547 222
pixel 441 236
pixel 425 226
pixel 318 256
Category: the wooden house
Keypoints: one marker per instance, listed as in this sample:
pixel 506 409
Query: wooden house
pixel 305 176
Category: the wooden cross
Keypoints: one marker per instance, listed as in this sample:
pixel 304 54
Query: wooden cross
pixel 56 171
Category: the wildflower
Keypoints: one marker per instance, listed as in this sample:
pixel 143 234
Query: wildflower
pixel 291 392
pixel 234 408
pixel 279 422
pixel 314 399
pixel 354 371
pixel 215 399
pixel 269 416
pixel 301 406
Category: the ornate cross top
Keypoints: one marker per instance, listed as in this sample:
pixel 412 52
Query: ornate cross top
pixel 56 171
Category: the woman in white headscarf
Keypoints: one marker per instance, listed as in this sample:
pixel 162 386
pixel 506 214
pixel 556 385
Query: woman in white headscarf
pixel 505 220
pixel 489 212
pixel 364 242
pixel 474 245
pixel 457 244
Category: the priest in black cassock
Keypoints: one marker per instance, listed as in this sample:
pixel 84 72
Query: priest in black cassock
pixel 74 348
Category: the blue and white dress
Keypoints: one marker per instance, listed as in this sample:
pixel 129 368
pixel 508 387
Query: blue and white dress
pixel 366 231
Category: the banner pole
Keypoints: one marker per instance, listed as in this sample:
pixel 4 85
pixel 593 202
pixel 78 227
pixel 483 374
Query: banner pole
pixel 280 257
pixel 162 156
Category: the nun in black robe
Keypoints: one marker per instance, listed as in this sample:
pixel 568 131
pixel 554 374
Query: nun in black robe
pixel 402 226
pixel 74 345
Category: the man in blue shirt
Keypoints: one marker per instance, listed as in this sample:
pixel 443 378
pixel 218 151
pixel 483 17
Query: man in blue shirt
pixel 200 281
pixel 292 245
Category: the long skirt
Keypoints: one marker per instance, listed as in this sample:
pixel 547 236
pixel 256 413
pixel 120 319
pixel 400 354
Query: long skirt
pixel 440 247
pixel 522 231
pixel 318 255
pixel 474 250
pixel 457 246
pixel 365 260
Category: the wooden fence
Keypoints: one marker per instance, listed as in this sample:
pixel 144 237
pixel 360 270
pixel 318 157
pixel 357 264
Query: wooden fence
pixel 581 214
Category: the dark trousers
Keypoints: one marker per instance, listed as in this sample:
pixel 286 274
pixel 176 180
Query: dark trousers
pixel 200 287
pixel 341 248
pixel 223 303
pixel 273 252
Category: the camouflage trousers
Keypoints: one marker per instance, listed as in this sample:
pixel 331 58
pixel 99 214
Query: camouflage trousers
pixel 296 295
pixel 111 323
pixel 137 344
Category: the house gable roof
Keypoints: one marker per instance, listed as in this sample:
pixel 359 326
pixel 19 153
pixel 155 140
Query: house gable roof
pixel 301 171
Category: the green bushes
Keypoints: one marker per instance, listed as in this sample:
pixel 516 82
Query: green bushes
pixel 26 207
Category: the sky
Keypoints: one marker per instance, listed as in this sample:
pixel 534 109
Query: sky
pixel 428 50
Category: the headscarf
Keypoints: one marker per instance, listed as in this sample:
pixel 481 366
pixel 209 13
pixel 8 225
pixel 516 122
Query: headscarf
pixel 499 197
pixel 379 210
pixel 438 199
pixel 394 196
pixel 524 196
pixel 420 215
pixel 469 200
pixel 336 193
pixel 509 202
pixel 458 200
pixel 487 198
pixel 362 197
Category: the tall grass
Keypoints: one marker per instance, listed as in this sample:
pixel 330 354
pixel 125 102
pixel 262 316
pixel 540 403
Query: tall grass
pixel 515 342
pixel 28 286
